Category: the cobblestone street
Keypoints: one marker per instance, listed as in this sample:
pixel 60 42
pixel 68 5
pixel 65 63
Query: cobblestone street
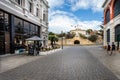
pixel 73 63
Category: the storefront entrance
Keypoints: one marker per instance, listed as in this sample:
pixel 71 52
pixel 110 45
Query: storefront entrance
pixel 7 42
pixel 2 48
pixel 4 33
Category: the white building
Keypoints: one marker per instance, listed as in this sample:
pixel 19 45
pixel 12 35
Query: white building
pixel 78 31
pixel 20 19
pixel 112 21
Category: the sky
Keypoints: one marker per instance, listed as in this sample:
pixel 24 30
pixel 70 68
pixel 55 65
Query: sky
pixel 66 15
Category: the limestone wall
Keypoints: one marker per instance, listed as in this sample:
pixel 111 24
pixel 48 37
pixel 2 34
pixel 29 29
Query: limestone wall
pixel 71 41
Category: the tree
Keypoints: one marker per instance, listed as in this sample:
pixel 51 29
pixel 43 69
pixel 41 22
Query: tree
pixel 101 31
pixel 93 38
pixel 51 33
pixel 61 35
pixel 89 31
pixel 101 26
pixel 83 36
pixel 69 35
pixel 53 39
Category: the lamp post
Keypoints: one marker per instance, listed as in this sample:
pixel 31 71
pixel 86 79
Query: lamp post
pixel 62 39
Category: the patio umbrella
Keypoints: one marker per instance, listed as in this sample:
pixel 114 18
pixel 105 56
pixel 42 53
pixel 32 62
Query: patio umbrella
pixel 34 38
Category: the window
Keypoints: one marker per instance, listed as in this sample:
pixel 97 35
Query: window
pixel 108 35
pixel 7 23
pixel 117 8
pixel 18 25
pixel 36 30
pixel 19 41
pixel 117 32
pixel 26 28
pixel 32 29
pixel 107 16
pixel 1 21
pixel 37 12
pixel 43 17
pixel 18 2
pixel 30 6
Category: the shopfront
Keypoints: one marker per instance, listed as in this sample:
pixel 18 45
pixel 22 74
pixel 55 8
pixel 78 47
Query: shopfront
pixel 14 31
pixel 23 30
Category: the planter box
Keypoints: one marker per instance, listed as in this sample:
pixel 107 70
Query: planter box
pixel 20 51
pixel 42 53
pixel 16 51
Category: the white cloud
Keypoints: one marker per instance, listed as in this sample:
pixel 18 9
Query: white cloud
pixel 81 4
pixel 58 12
pixel 55 3
pixel 94 24
pixel 95 5
pixel 62 21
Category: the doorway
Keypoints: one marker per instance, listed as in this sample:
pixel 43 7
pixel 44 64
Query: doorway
pixel 118 41
pixel 2 48
pixel 117 35
pixel 76 42
pixel 7 42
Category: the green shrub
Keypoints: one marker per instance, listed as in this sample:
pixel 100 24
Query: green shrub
pixel 83 36
pixel 93 38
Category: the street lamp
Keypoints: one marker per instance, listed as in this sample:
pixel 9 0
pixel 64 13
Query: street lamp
pixel 62 39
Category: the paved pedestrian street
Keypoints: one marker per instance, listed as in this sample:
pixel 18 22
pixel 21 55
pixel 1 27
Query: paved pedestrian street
pixel 73 63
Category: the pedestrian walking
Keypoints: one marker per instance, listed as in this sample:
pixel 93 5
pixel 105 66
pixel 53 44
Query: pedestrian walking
pixel 108 48
pixel 113 49
pixel 40 46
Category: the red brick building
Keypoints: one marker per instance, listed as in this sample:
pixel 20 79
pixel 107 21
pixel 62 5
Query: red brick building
pixel 111 21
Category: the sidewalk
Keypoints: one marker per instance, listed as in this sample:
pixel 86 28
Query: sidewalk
pixel 111 62
pixel 11 61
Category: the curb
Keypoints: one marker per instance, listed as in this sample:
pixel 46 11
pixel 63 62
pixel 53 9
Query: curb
pixel 7 55
pixel 49 52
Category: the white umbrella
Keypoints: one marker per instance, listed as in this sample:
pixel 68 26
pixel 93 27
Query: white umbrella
pixel 34 38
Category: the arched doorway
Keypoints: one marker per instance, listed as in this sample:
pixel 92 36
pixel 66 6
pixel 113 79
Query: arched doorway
pixel 76 42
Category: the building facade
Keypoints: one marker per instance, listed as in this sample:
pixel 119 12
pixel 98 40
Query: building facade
pixel 78 31
pixel 111 21
pixel 21 19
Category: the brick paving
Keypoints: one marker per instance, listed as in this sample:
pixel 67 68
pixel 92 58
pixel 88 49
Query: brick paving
pixel 74 63
pixel 9 62
pixel 111 62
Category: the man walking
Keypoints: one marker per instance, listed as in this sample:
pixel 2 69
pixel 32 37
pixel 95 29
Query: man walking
pixel 108 48
pixel 113 49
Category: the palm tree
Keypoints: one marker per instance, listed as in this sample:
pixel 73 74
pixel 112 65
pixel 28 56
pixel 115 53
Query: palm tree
pixel 53 39
pixel 101 31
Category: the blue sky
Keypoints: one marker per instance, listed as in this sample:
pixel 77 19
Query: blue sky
pixel 65 14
